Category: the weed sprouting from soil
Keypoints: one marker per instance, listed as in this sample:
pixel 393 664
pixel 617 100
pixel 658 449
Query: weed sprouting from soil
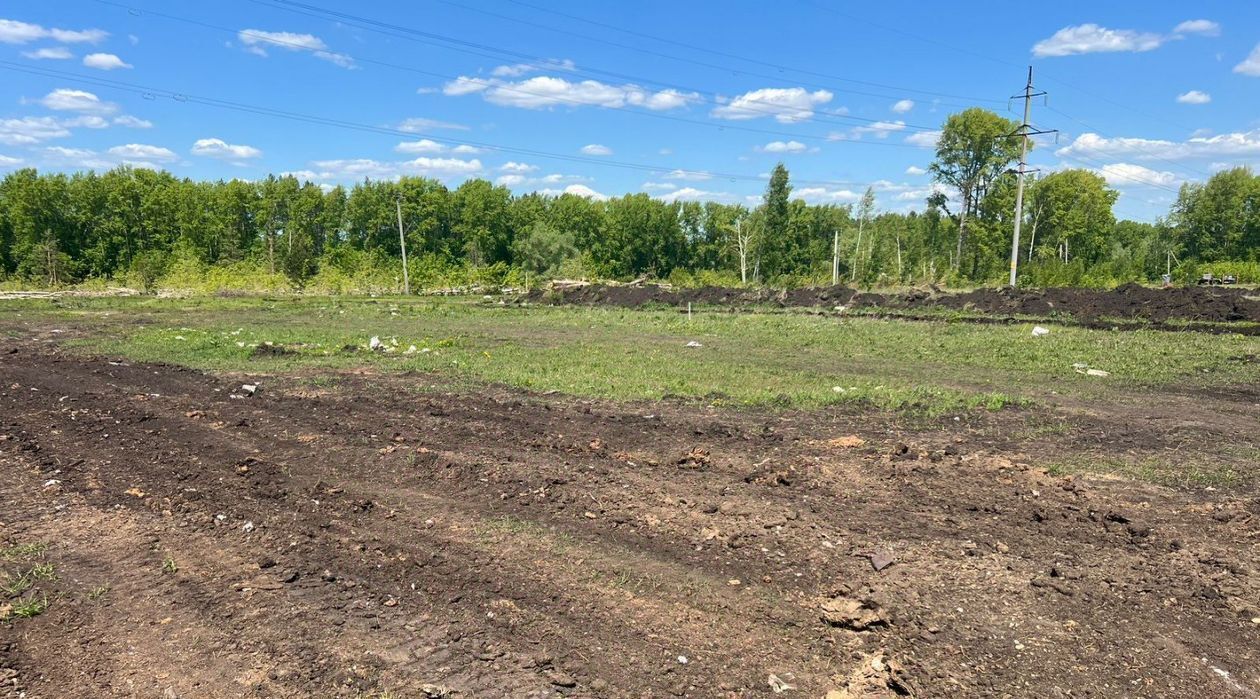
pixel 169 566
pixel 26 608
pixel 23 552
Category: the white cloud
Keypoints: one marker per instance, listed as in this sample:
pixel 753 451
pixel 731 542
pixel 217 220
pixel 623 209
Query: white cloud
pixel 419 124
pixel 878 129
pixel 1194 97
pixel 52 53
pixel 658 186
pixel 823 195
pixel 518 168
pixel 783 147
pixel 87 121
pixel 257 42
pixel 132 122
pixel 31 130
pixel 596 149
pixel 7 162
pixel 786 105
pixel 519 178
pixel 360 168
pixel 1203 27
pixel 104 61
pixel 519 69
pixel 688 175
pixel 1251 64
pixel 66 100
pixel 544 91
pixel 1092 145
pixel 77 158
pixel 143 153
pixel 580 190
pixel 693 194
pixel 915 170
pixel 424 145
pixel 218 148
pixel 15 32
pixel 902 106
pixel 465 149
pixel 1091 38
pixel 924 139
pixel 1122 174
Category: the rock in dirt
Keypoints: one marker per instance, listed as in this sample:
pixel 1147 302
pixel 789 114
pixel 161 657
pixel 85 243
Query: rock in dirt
pixel 1039 331
pixel 852 614
pixel 436 691
pixel 881 559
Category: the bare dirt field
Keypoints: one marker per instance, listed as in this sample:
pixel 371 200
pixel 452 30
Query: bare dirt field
pixel 383 535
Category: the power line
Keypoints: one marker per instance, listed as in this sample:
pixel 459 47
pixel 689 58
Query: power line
pixel 1182 166
pixel 412 34
pixel 186 98
pixel 517 90
pixel 936 42
pixel 693 47
pixel 551 96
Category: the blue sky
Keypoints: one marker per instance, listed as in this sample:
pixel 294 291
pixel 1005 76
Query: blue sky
pixel 690 100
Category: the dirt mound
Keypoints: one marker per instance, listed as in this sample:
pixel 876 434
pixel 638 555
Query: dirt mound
pixel 1131 302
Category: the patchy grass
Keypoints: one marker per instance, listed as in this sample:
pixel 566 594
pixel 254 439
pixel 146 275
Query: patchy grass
pixel 169 566
pixel 1173 474
pixel 23 552
pixel 27 608
pixel 762 359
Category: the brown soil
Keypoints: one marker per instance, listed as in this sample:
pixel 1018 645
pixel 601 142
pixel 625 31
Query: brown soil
pixel 1132 301
pixel 378 535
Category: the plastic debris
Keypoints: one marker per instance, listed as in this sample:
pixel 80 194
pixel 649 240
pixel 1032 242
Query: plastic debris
pixel 693 343
pixel 777 685
pixel 1038 331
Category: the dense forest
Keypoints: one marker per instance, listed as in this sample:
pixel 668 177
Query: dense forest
pixel 148 228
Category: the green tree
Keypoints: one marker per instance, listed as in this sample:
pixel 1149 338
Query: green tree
pixel 775 245
pixel 974 148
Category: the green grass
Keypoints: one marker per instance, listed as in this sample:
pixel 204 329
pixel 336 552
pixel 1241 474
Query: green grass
pixel 761 359
pixel 1174 474
pixel 27 608
pixel 23 552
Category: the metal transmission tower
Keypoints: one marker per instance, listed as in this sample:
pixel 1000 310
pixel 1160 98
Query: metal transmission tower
pixel 1024 131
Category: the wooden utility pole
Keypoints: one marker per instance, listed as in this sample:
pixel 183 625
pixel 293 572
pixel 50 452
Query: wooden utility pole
pixel 402 242
pixel 835 257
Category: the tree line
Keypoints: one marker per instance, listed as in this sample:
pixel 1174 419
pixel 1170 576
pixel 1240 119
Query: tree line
pixel 146 226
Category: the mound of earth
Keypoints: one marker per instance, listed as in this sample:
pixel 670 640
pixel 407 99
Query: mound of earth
pixel 1129 302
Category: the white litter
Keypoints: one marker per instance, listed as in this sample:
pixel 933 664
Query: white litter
pixel 375 343
pixel 693 343
pixel 249 527
pixel 1038 331
pixel 410 350
pixel 682 660
pixel 249 389
pixel 1097 372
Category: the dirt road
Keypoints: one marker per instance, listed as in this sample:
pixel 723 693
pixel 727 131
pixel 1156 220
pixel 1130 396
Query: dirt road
pixel 377 536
